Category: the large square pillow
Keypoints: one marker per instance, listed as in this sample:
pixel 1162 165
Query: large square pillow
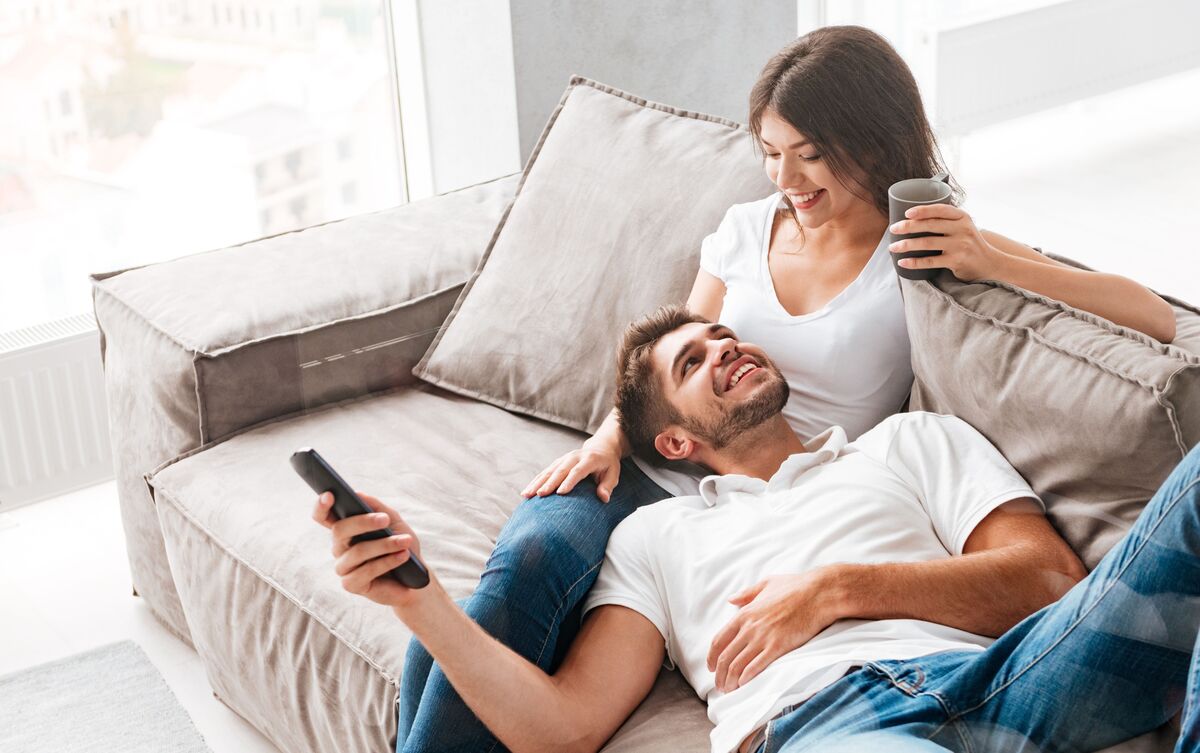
pixel 1093 415
pixel 606 225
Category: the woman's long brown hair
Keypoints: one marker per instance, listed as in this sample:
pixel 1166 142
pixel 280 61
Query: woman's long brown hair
pixel 854 98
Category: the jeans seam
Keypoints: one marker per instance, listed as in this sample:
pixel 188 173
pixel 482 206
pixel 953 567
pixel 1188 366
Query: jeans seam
pixel 1150 534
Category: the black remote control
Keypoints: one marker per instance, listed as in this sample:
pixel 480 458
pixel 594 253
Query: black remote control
pixel 322 478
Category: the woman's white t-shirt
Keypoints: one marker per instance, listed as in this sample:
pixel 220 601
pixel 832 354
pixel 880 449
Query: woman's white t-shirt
pixel 847 364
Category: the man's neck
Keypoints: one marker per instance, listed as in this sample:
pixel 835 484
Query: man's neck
pixel 759 452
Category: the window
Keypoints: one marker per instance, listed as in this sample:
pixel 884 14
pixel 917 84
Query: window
pixel 174 131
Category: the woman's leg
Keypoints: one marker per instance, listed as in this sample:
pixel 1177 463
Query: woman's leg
pixel 545 561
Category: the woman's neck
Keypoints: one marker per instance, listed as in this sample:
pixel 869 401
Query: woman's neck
pixel 860 230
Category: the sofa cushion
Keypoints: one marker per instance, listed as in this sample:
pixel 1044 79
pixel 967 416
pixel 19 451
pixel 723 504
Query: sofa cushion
pixel 1093 415
pixel 312 666
pixel 606 225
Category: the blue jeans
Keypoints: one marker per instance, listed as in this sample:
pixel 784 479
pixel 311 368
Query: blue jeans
pixel 529 598
pixel 1116 657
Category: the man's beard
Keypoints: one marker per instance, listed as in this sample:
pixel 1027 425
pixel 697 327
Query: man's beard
pixel 721 430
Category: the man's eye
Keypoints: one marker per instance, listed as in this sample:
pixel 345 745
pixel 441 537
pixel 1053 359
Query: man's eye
pixel 689 363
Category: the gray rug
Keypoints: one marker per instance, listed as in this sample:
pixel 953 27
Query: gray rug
pixel 110 699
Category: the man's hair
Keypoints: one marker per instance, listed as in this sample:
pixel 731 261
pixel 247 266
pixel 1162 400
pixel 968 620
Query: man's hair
pixel 643 409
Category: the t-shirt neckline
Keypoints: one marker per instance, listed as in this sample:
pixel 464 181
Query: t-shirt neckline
pixel 764 270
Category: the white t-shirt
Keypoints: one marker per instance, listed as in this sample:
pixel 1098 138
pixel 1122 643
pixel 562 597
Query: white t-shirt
pixel 910 490
pixel 847 364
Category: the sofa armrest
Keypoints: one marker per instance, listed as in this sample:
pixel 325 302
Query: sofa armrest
pixel 197 348
pixel 305 318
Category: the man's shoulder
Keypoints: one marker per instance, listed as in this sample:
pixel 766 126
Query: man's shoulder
pixel 916 426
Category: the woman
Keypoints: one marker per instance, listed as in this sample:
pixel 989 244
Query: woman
pixel 806 274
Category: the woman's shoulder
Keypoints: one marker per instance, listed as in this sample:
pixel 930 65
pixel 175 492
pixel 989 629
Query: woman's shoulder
pixel 756 210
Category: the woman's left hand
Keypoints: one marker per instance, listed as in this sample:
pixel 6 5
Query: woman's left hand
pixel 964 250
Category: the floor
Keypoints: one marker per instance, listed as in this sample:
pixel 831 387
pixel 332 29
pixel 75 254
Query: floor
pixel 1111 182
pixel 64 584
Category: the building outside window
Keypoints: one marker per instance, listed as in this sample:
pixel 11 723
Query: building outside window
pixel 135 133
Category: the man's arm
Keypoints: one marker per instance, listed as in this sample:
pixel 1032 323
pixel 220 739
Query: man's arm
pixel 609 669
pixel 1013 564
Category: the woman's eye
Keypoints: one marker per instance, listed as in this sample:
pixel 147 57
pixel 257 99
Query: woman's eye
pixel 813 158
pixel 772 156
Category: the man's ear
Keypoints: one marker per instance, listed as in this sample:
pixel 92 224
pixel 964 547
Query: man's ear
pixel 674 444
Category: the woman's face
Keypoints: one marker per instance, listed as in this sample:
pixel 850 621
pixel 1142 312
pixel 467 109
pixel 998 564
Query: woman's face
pixel 800 172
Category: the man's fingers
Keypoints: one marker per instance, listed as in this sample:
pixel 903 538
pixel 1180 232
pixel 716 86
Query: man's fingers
pixel 719 640
pixel 347 528
pixel 359 580
pixel 738 665
pixel 727 656
pixel 323 510
pixel 368 550
pixel 757 665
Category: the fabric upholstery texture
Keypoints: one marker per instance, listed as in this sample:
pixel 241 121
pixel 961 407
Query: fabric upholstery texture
pixel 312 666
pixel 197 347
pixel 606 226
pixel 1093 415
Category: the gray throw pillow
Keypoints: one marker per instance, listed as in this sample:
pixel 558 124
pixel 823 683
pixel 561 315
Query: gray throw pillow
pixel 606 225
pixel 1093 415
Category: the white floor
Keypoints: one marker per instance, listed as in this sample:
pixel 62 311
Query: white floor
pixel 1112 183
pixel 64 587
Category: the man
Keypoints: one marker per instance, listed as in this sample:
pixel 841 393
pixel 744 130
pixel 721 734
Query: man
pixel 815 593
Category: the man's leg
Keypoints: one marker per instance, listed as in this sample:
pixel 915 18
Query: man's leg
pixel 546 559
pixel 1107 662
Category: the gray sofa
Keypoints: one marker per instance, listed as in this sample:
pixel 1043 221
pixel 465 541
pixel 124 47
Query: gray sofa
pixel 218 365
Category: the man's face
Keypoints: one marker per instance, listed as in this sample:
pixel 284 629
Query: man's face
pixel 721 387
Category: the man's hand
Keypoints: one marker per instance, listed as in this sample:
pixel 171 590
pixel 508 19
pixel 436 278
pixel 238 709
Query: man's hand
pixel 364 566
pixel 777 615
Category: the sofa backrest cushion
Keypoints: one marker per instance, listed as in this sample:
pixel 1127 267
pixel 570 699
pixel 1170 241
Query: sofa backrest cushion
pixel 1093 415
pixel 606 225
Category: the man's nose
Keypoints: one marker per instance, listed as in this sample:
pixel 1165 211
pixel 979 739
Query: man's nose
pixel 723 350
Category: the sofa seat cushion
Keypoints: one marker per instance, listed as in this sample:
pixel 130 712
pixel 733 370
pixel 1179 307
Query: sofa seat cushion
pixel 311 665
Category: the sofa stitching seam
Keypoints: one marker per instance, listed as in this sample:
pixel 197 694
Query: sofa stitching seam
pixel 174 503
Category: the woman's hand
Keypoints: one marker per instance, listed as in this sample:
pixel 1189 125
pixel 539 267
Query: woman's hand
pixel 778 614
pixel 965 252
pixel 598 459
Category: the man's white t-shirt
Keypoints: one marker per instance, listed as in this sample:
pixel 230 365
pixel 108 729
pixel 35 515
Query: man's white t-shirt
pixel 910 490
pixel 847 364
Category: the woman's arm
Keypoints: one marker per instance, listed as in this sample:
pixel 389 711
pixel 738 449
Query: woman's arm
pixel 1116 298
pixel 972 254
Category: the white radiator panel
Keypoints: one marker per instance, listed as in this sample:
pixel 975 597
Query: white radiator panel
pixel 1018 64
pixel 53 420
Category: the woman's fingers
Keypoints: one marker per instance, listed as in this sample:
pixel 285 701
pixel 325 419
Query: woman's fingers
pixel 608 481
pixel 923 262
pixel 555 479
pixel 932 225
pixel 927 211
pixel 538 480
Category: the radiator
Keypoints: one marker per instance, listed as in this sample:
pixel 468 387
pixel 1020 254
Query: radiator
pixel 53 420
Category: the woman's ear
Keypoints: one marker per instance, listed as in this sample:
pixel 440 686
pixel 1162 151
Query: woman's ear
pixel 674 444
